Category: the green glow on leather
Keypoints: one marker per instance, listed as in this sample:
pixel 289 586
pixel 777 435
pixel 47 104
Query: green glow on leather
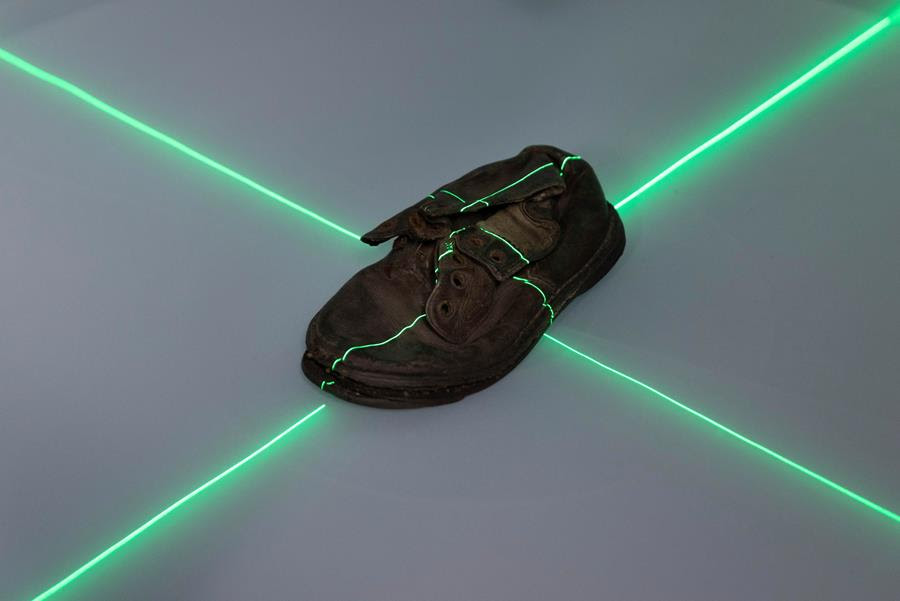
pixel 162 514
pixel 562 167
pixel 383 342
pixel 526 176
pixel 437 266
pixel 766 105
pixel 473 203
pixel 505 188
pixel 437 262
pixel 325 383
pixel 448 192
pixel 507 242
pixel 723 428
pixel 545 304
pixel 181 147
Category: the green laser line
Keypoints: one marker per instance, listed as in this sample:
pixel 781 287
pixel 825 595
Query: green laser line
pixel 143 527
pixel 382 343
pixel 574 157
pixel 181 147
pixel 449 193
pixel 504 188
pixel 544 304
pixel 483 199
pixel 749 441
pixel 507 242
pixel 766 105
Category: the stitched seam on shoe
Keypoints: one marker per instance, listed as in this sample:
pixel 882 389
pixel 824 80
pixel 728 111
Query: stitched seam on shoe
pixel 373 344
pixel 545 304
pixel 508 243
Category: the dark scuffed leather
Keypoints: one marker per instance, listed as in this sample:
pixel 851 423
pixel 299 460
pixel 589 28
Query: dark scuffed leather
pixel 483 183
pixel 460 299
pixel 456 271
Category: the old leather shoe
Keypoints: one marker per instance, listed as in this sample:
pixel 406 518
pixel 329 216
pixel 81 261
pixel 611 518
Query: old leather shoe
pixel 478 270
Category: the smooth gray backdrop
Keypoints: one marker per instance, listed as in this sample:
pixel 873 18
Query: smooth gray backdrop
pixel 152 313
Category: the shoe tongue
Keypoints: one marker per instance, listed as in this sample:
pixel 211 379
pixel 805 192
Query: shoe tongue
pixel 532 175
pixel 526 176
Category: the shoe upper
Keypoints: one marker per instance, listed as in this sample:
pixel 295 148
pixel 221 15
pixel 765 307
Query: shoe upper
pixel 471 278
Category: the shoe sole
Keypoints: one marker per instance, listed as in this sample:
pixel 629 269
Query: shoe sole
pixel 600 263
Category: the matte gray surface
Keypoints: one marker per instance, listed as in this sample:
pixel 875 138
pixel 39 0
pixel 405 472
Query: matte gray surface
pixel 152 313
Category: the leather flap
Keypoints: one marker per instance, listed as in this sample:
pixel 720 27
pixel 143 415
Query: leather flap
pixel 462 295
pixel 533 175
pixel 408 222
pixel 527 176
pixel 510 239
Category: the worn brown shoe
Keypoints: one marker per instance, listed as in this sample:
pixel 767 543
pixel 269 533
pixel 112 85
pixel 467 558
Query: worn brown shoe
pixel 477 272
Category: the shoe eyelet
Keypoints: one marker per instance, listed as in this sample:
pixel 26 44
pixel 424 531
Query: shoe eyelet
pixel 445 308
pixel 497 256
pixel 458 279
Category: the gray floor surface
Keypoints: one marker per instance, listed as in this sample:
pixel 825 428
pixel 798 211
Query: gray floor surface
pixel 152 313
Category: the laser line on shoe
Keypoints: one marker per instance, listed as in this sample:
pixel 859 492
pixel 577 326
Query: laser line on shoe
pixel 734 434
pixel 507 242
pixel 446 252
pixel 545 304
pixel 154 133
pixel 562 167
pixel 448 245
pixel 483 199
pixel 383 342
pixel 162 514
pixel 766 105
pixel 449 193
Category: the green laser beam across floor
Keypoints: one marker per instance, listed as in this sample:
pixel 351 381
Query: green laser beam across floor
pixel 792 87
pixel 174 506
pixel 183 148
pixel 734 434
